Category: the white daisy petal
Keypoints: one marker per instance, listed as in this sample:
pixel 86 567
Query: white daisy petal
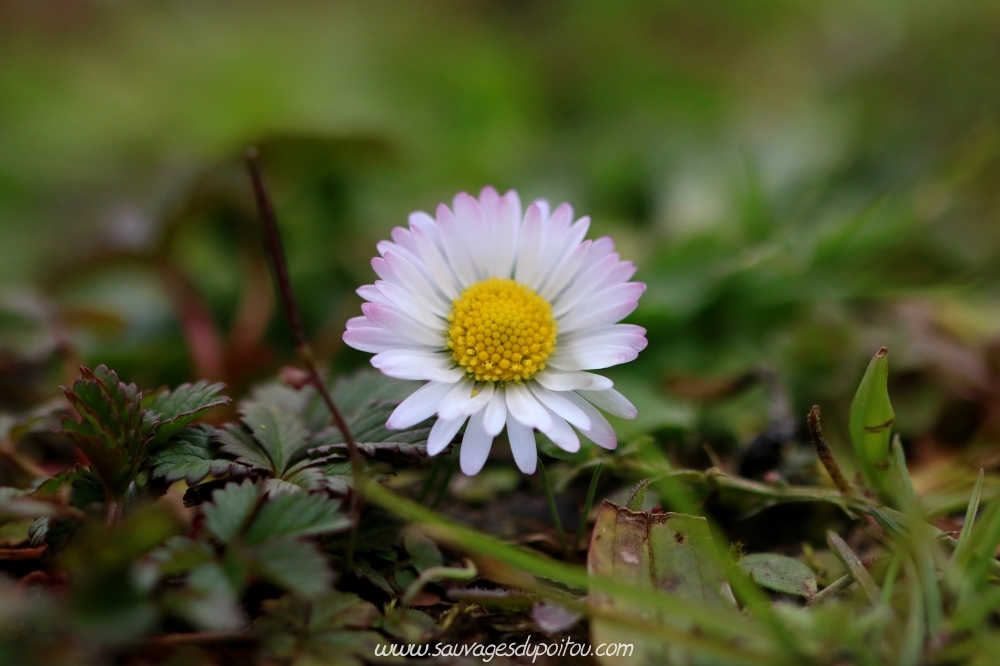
pixel 437 266
pixel 592 358
pixel 383 271
pixel 488 200
pixel 612 402
pixel 428 366
pixel 562 435
pixel 370 293
pixel 375 340
pixel 495 414
pixel 505 235
pixel 555 239
pixel 403 239
pixel 558 380
pixel 416 282
pixel 465 398
pixel 475 446
pixel 399 322
pixel 529 244
pixel 422 309
pixel 526 408
pixel 620 304
pixel 615 335
pixel 556 403
pixel 567 269
pixel 443 431
pixel 582 286
pixel 477 234
pixel 421 404
pixel 522 445
pixel 600 431
pixel 385 247
pixel 455 249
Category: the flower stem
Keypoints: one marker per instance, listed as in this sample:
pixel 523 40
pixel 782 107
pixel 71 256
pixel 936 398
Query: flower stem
pixel 444 484
pixel 552 506
pixel 279 263
pixel 591 491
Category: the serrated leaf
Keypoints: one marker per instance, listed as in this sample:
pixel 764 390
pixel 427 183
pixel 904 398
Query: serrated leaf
pixel 280 432
pixel 871 421
pixel 298 566
pixel 181 554
pixel 173 410
pixel 112 431
pixel 327 631
pixel 350 393
pixel 191 456
pixel 236 442
pixel 367 424
pixel 423 552
pixel 298 514
pixel 230 509
pixel 780 573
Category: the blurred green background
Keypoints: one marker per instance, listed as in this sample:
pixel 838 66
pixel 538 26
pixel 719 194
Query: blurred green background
pixel 799 181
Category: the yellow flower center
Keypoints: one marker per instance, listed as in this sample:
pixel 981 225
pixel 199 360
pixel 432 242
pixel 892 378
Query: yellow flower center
pixel 501 331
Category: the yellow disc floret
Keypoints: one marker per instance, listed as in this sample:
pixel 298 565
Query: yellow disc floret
pixel 501 331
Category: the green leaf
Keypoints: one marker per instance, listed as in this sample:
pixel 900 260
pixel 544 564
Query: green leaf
pixel 329 630
pixel 112 431
pixel 298 514
pixel 367 424
pixel 279 431
pixel 191 456
pixel 230 509
pixel 780 573
pixel 298 566
pixel 173 410
pixel 236 442
pixel 424 552
pixel 670 552
pixel 351 393
pixel 871 421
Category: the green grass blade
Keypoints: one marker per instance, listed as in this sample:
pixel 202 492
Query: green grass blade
pixel 855 566
pixel 959 556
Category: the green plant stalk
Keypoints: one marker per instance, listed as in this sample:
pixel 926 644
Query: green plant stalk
pixel 435 574
pixel 591 491
pixel 552 506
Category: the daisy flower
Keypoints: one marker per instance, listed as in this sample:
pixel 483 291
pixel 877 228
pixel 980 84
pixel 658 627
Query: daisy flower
pixel 502 315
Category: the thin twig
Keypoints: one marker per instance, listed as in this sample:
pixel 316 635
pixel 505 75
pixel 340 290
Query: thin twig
pixel 826 455
pixel 279 263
